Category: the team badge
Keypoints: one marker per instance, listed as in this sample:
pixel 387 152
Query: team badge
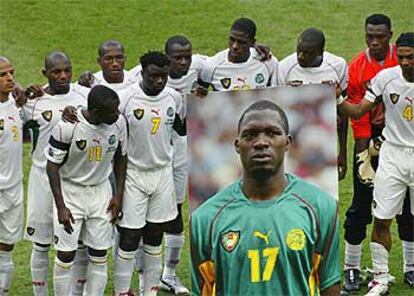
pixel 1 124
pixel 230 240
pixel 296 239
pixel 81 144
pixel 170 111
pixel 112 139
pixel 259 78
pixel 225 82
pixel 30 230
pixel 47 115
pixel 139 113
pixel 394 98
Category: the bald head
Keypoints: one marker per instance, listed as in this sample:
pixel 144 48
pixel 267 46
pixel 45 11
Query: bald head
pixel 6 78
pixel 311 43
pixel 58 71
pixel 110 44
pixel 56 57
pixel 313 36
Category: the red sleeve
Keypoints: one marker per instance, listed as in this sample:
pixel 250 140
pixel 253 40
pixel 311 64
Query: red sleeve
pixel 356 91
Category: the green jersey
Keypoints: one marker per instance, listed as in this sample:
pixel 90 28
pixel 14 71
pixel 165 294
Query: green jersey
pixel 288 245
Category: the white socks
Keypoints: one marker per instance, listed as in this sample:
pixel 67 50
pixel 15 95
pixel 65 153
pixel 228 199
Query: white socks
pixel 39 264
pixel 79 269
pixel 124 266
pixel 6 272
pixel 153 269
pixel 352 256
pixel 379 256
pixel 408 254
pixel 62 277
pixel 173 246
pixel 97 276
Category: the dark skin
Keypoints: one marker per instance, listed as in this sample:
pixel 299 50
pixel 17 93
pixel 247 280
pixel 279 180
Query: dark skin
pixel 112 63
pixel 107 115
pixel 239 46
pixel 154 79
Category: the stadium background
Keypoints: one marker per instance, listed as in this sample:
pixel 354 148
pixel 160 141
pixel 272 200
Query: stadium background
pixel 29 29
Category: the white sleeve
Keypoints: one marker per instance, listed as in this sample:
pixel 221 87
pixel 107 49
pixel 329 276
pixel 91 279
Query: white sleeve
pixel 135 72
pixel 281 72
pixel 206 72
pixel 376 88
pixel 59 142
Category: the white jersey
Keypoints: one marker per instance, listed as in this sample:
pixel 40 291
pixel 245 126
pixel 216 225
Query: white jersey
pixel 183 84
pixel 128 80
pixel 398 97
pixel 333 68
pixel 10 145
pixel 86 150
pixel 225 75
pixel 150 120
pixel 43 113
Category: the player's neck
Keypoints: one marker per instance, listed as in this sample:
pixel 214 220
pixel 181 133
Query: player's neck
pixel 88 116
pixel 262 188
pixel 118 79
pixel 148 91
pixel 4 97
pixel 409 77
pixel 380 56
pixel 53 92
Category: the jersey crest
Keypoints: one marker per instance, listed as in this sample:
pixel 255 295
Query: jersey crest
pixel 47 115
pixel 394 98
pixel 230 239
pixel 81 144
pixel 1 124
pixel 139 113
pixel 259 78
pixel 295 239
pixel 225 82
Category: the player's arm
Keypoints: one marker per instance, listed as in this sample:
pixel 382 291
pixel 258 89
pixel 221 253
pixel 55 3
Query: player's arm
pixel 342 124
pixel 355 111
pixel 87 79
pixel 56 156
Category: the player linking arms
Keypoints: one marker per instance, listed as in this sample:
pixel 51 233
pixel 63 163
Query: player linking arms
pixel 270 233
pixel 395 88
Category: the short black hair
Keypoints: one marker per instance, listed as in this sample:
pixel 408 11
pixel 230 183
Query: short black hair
pixel 109 43
pixel 177 39
pixel 265 105
pixel 53 56
pixel 154 58
pixel 405 39
pixel 313 35
pixel 245 25
pixel 378 19
pixel 101 97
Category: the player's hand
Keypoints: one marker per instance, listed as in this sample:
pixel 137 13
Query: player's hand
pixel 115 207
pixel 342 166
pixel 65 217
pixel 294 83
pixel 365 171
pixel 34 91
pixel 263 51
pixel 86 79
pixel 375 145
pixel 19 96
pixel 199 90
pixel 69 114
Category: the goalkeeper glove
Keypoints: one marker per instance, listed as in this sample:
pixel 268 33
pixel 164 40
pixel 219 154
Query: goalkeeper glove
pixel 365 172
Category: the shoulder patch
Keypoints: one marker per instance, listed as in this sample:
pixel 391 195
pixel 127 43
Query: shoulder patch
pixel 81 144
pixel 230 239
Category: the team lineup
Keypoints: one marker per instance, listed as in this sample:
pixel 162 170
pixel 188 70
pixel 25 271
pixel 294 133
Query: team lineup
pixel 109 170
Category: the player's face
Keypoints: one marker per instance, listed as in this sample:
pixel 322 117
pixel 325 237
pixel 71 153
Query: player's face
pixel 6 77
pixel 377 38
pixel 154 79
pixel 112 64
pixel 239 46
pixel 59 76
pixel 108 115
pixel 180 59
pixel 308 53
pixel 262 143
pixel 406 60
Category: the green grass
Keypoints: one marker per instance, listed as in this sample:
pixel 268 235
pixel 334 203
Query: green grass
pixel 29 29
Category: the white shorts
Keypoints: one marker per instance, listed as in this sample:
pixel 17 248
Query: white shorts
pixel 394 176
pixel 92 225
pixel 39 224
pixel 180 168
pixel 149 196
pixel 11 214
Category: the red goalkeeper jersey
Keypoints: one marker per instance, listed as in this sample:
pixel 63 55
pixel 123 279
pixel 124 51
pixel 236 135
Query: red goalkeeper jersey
pixel 362 69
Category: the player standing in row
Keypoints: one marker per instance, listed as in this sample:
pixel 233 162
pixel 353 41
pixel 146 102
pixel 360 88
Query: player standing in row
pixel 240 66
pixel 153 112
pixel 379 55
pixel 41 115
pixel 395 174
pixel 269 233
pixel 312 64
pixel 79 161
pixel 11 175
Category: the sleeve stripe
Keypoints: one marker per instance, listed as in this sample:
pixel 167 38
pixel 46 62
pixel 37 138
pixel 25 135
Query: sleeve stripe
pixel 58 145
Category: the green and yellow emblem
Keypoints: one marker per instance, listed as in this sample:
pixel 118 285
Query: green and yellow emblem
pixel 230 239
pixel 139 113
pixel 296 239
pixel 47 115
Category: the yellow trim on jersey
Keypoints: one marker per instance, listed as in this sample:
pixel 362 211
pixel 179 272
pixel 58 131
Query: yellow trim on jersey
pixel 314 275
pixel 209 277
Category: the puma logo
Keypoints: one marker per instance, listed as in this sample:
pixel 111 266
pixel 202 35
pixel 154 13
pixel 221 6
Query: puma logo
pixel 409 99
pixel 262 236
